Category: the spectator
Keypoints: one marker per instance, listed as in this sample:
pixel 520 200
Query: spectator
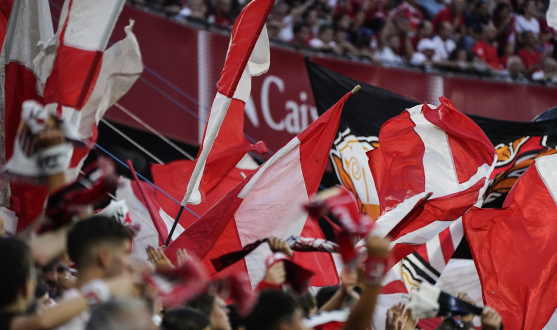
pixel 185 319
pixel 301 34
pixel 527 22
pixel 443 43
pixel 515 69
pixel 410 10
pixel 485 50
pixel 403 29
pixel 221 13
pixel 529 54
pixel 272 310
pixel 507 52
pixel 425 31
pixel 504 20
pixel 388 54
pixel 344 47
pixel 548 73
pixel 121 314
pixel 195 9
pixel 476 19
pixel 425 53
pixel 214 308
pixel 453 14
pixel 324 40
pixel 53 275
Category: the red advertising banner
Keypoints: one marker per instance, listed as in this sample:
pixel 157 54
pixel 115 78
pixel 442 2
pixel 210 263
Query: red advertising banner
pixel 183 65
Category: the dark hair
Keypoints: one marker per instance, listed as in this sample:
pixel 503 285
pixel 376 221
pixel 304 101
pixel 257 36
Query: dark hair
pixel 325 294
pixel 184 319
pixel 15 268
pixel 498 10
pixel 298 27
pixel 273 307
pixel 203 303
pixel 307 302
pixel 324 28
pixel 89 232
pixel 235 318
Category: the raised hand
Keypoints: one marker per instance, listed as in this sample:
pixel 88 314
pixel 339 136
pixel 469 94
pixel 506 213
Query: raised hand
pixel 278 245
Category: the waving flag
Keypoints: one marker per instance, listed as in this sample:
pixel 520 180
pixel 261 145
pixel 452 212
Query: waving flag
pixel 248 55
pixel 514 249
pixel 29 24
pixel 139 213
pixel 269 203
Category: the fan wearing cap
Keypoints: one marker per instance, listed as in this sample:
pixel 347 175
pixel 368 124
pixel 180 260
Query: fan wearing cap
pixel 425 53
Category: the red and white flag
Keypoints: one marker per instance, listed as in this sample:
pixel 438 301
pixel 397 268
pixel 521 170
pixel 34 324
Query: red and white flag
pixel 80 79
pixel 270 202
pixel 30 23
pixel 428 150
pixel 514 248
pixel 147 235
pixel 248 55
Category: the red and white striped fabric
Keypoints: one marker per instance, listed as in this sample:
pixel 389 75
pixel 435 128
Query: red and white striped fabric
pixel 128 191
pixel 82 80
pixel 248 55
pixel 30 23
pixel 269 203
pixel 515 244
pixel 423 150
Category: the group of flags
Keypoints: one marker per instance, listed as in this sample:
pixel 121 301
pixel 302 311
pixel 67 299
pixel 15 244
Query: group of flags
pixel 429 176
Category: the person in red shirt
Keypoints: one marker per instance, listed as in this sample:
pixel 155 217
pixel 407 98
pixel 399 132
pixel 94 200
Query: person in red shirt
pixel 529 54
pixel 453 14
pixel 485 49
pixel 410 10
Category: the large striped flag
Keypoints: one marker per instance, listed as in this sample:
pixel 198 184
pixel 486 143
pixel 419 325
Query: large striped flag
pixel 428 150
pixel 248 55
pixel 80 79
pixel 269 203
pixel 514 248
pixel 30 23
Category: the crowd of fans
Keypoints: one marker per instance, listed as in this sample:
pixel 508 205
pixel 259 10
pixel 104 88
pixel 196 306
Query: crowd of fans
pixel 73 269
pixel 503 38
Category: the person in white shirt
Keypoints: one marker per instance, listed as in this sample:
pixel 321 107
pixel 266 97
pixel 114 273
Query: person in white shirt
pixel 387 55
pixel 324 38
pixel 527 21
pixel 99 247
pixel 444 45
pixel 425 53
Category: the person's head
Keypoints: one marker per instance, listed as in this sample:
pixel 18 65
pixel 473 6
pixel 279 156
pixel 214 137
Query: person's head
pixel 17 280
pixel 481 8
pixel 528 39
pixel 197 7
pixel 501 12
pixel 393 42
pixel 459 55
pixel 185 319
pixel 529 8
pixel 508 49
pixel 402 24
pixel 121 314
pixel 325 34
pixel 445 30
pixel 222 6
pixel 214 308
pixel 311 17
pixel 425 29
pixel 53 276
pixel 427 47
pixel 515 66
pixel 301 32
pixel 549 65
pixel 280 10
pixel 450 324
pixel 342 22
pixel 457 6
pixel 275 310
pixel 489 32
pixel 340 36
pixel 99 243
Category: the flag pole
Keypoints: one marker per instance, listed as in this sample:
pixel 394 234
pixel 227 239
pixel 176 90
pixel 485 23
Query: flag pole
pixel 174 226
pixel 354 90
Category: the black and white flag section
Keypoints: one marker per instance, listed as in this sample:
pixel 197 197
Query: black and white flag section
pixel 248 55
